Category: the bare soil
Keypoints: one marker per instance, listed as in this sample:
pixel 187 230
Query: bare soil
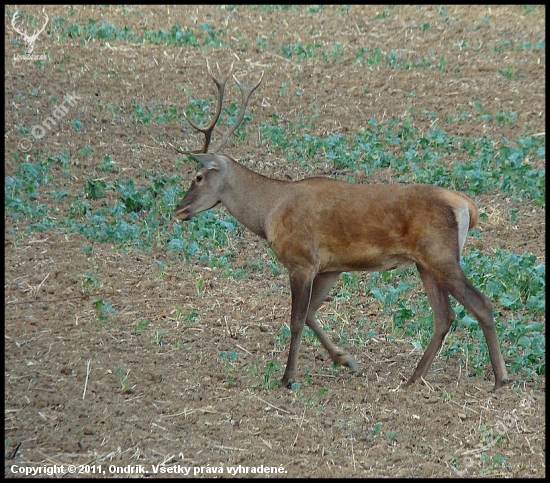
pixel 185 404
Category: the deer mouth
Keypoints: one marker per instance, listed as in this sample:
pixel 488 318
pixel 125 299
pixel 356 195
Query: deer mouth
pixel 183 213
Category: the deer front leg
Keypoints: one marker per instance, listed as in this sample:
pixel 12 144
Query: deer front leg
pixel 321 287
pixel 300 288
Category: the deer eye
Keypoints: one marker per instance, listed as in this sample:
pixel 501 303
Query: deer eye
pixel 198 178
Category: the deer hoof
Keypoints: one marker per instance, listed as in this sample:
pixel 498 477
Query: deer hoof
pixel 347 361
pixel 285 383
pixel 500 384
pixel 410 382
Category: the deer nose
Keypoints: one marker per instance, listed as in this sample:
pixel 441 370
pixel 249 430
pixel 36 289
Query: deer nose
pixel 182 212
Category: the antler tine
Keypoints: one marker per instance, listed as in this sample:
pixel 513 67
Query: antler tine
pixel 47 18
pixel 246 92
pixel 207 130
pixel 13 23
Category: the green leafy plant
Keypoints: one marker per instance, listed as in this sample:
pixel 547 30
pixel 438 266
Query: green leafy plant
pixel 103 309
pixel 283 336
pixel 125 384
pixel 269 380
pixel 90 283
pixel 160 336
pixel 141 325
pixel 371 435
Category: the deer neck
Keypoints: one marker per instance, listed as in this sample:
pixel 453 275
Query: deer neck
pixel 249 196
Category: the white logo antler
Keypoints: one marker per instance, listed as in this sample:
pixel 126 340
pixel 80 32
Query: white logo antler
pixel 29 39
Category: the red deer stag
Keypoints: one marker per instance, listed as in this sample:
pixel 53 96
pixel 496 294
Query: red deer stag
pixel 319 227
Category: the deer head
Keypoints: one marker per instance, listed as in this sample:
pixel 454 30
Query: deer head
pixel 205 189
pixel 29 39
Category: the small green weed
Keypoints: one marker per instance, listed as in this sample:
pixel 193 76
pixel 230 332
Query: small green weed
pixel 90 283
pixel 125 384
pixel 269 380
pixel 103 310
pixel 141 325
pixel 228 357
pixel 212 36
pixel 493 464
pixel 384 13
pixel 508 73
pixel 282 337
pixel 191 317
pixel 94 189
pixel 374 432
pixel 159 336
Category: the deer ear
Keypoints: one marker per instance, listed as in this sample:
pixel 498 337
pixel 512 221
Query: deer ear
pixel 210 160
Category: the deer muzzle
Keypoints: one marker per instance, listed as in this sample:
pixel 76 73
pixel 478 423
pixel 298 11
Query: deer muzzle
pixel 182 212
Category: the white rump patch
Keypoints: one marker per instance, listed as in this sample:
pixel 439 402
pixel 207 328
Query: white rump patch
pixel 463 220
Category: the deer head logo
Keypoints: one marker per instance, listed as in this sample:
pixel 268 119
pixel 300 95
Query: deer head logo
pixel 29 39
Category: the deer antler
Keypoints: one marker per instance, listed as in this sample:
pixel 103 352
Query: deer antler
pixel 246 92
pixel 207 131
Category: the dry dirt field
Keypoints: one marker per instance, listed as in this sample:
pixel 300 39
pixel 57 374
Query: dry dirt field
pixel 122 352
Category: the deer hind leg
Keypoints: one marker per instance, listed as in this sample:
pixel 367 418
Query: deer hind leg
pixel 482 309
pixel 321 287
pixel 443 317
